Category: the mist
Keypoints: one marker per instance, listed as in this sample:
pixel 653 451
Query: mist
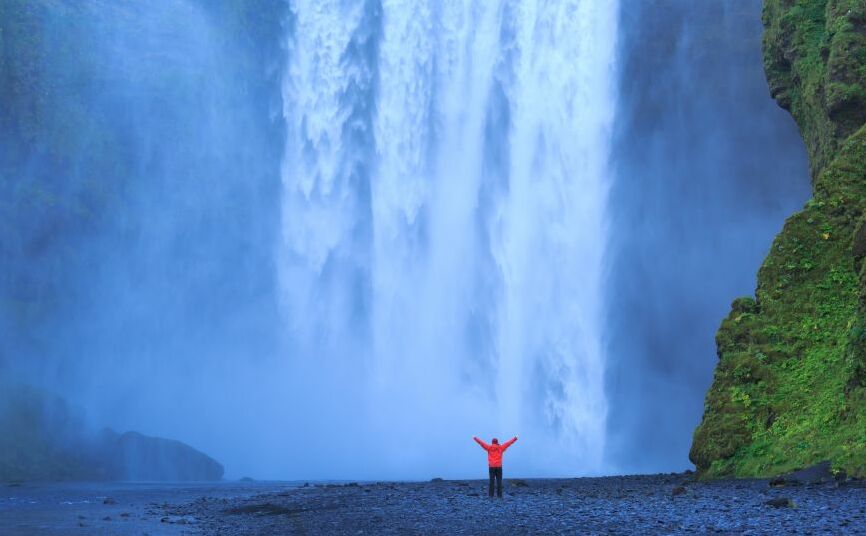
pixel 139 263
pixel 320 240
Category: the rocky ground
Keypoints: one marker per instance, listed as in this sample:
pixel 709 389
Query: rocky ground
pixel 660 504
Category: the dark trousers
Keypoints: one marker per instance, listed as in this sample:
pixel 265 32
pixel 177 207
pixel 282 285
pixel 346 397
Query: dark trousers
pixel 496 474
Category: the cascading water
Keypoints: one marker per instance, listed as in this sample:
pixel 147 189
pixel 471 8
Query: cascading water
pixel 444 183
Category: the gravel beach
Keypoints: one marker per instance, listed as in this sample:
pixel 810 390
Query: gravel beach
pixel 657 504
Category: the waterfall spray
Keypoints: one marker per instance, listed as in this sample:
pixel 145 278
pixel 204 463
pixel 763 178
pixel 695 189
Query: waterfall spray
pixel 444 185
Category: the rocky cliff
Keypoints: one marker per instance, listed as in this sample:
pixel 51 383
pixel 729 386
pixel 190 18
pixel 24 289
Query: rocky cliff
pixel 42 437
pixel 790 386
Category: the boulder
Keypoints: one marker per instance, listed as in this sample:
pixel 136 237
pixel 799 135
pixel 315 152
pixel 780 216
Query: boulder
pixel 781 502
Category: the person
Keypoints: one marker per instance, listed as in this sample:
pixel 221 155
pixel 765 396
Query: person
pixel 494 461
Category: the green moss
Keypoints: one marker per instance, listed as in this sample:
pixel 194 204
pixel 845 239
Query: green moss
pixel 788 391
pixel 815 60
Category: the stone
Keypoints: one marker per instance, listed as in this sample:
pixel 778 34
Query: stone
pixel 780 502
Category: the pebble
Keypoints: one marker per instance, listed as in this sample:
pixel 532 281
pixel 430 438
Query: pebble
pixel 611 505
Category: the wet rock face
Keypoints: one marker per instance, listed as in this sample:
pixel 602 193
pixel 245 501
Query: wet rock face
pixel 789 390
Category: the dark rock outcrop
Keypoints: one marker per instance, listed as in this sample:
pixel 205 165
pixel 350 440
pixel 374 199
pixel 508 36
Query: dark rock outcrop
pixel 817 474
pixel 133 456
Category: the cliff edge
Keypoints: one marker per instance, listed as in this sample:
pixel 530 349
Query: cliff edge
pixel 789 389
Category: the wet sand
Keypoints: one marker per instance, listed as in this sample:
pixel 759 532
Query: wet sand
pixel 658 504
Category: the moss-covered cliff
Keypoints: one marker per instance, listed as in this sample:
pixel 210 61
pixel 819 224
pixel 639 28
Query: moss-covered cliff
pixel 790 386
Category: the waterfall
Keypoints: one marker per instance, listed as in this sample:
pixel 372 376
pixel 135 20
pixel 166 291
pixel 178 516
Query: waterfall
pixel 443 226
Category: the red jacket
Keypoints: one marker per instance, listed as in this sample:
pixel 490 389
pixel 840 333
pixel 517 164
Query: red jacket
pixel 494 451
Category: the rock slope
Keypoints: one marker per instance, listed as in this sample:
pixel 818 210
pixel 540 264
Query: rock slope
pixel 42 438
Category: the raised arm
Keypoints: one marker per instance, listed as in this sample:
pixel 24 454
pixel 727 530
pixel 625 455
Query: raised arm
pixel 509 442
pixel 484 445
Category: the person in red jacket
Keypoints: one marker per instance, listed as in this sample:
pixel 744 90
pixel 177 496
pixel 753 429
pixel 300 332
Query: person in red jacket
pixel 494 461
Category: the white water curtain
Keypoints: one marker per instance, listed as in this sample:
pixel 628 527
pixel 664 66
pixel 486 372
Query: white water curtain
pixel 444 186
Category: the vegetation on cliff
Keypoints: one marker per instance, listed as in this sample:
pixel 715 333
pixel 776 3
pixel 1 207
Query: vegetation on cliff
pixel 790 386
